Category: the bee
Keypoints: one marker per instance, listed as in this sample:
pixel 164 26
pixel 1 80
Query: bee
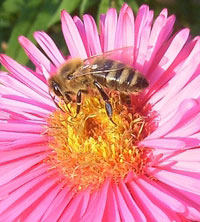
pixel 77 76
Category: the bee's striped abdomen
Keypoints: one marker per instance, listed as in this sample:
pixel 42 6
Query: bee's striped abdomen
pixel 118 76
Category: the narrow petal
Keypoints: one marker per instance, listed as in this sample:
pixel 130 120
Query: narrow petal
pixel 16 168
pixel 49 47
pixel 143 45
pixel 125 213
pixel 12 155
pixel 149 206
pixel 160 32
pixel 58 205
pixel 72 36
pixel 166 58
pixel 96 206
pixel 35 54
pixel 81 28
pixel 191 181
pixel 23 74
pixel 186 110
pixel 111 209
pixel 92 35
pixel 102 31
pixel 163 195
pixel 76 209
pixel 110 29
pixel 30 193
pixel 125 28
pixel 39 208
pixel 23 90
pixel 135 210
pixel 141 20
pixel 171 143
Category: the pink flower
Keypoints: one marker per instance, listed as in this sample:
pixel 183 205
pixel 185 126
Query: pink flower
pixel 163 185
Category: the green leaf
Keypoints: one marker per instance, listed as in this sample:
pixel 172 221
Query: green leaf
pixel 68 5
pixel 87 4
pixel 83 6
pixel 103 8
pixel 35 15
pixel 12 6
pixel 133 4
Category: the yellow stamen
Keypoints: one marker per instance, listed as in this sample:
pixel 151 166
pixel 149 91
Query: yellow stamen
pixel 89 148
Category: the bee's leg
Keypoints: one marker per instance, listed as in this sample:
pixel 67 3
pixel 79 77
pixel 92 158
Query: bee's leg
pixel 54 100
pixel 78 102
pixel 105 97
pixel 69 99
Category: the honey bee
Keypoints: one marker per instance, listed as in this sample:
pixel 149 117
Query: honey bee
pixel 77 76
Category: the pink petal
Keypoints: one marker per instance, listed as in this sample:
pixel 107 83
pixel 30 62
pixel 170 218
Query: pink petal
pixel 102 31
pixel 92 35
pixel 39 208
pixel 148 205
pixel 76 209
pixel 163 195
pixel 143 45
pixel 35 55
pixel 125 28
pixel 72 36
pixel 23 74
pixel 22 89
pixel 23 142
pixel 25 105
pixel 124 211
pixel 160 32
pixel 16 168
pixel 183 75
pixel 58 205
pixel 17 182
pixel 5 137
pixel 166 58
pixel 187 109
pixel 81 28
pixel 141 20
pixel 175 179
pixel 29 193
pixel 188 127
pixel 192 202
pixel 97 204
pixel 49 47
pixel 110 29
pixel 189 91
pixel 172 143
pixel 111 211
pixel 136 212
pixel 20 153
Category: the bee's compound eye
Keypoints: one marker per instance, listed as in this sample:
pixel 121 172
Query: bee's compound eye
pixel 56 89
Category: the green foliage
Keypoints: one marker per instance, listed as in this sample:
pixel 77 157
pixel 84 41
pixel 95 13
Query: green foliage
pixel 32 15
pixel 23 17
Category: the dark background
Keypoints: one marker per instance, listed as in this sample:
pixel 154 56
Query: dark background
pixel 23 17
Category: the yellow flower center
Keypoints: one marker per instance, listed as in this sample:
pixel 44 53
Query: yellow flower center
pixel 89 148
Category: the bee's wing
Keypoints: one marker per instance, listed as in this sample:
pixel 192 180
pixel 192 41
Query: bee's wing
pixel 123 55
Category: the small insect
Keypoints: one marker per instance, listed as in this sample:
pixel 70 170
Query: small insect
pixel 108 70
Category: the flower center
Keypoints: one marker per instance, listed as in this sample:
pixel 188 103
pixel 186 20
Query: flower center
pixel 89 148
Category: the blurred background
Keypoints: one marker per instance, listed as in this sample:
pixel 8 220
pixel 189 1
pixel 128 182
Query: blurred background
pixel 23 17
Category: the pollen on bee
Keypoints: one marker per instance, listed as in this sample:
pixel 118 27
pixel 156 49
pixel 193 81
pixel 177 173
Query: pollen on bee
pixel 89 148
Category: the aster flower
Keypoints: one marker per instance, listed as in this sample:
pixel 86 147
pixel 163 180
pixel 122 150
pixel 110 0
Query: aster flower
pixel 147 168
